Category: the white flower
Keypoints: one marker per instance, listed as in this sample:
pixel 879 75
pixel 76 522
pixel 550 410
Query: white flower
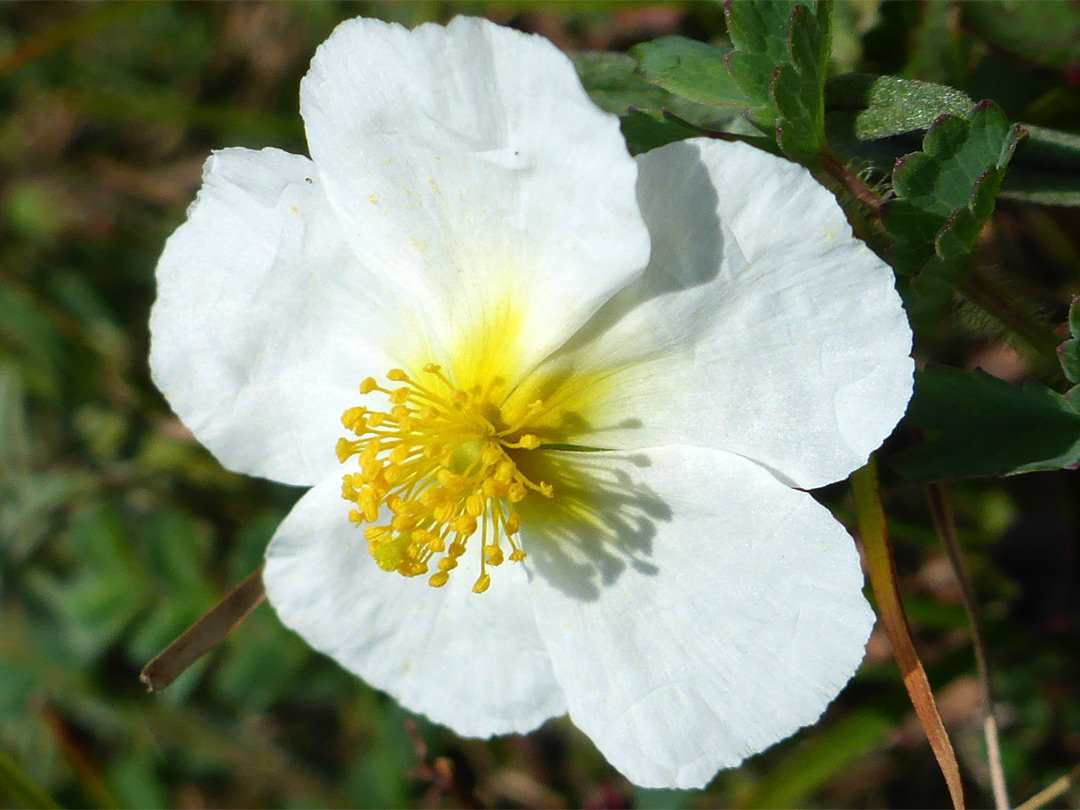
pixel 623 370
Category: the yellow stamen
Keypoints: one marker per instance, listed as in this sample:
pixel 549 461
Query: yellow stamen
pixel 438 465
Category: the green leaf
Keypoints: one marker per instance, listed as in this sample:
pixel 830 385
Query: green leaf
pixel 814 764
pixel 1069 354
pixel 690 69
pixel 1047 171
pixel 758 32
pixel 986 426
pixel 864 107
pixel 780 54
pixel 15 448
pixel 944 195
pixel 19 789
pixel 612 81
pixel 644 131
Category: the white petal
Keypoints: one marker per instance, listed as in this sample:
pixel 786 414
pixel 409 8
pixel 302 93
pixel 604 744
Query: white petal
pixel 473 662
pixel 762 326
pixel 264 322
pixel 696 611
pixel 469 157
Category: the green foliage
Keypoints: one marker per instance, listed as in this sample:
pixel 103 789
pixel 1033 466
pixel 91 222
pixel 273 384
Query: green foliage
pixel 986 426
pixel 19 789
pixel 864 107
pixel 816 763
pixel 1047 34
pixel 779 59
pixel 944 196
pixel 691 69
pixel 1069 354
pixel 1047 169
pixel 646 108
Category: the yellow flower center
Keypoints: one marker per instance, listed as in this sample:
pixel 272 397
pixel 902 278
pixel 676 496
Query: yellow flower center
pixel 437 468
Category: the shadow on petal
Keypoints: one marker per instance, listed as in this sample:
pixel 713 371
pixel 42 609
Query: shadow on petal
pixel 687 252
pixel 601 519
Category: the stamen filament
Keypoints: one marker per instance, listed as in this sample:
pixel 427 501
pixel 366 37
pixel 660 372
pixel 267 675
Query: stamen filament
pixel 438 464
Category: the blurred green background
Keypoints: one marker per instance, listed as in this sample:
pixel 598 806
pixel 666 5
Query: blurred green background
pixel 118 530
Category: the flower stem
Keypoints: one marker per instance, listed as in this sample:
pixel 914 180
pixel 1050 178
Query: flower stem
pixel 882 571
pixel 209 631
pixel 942 516
pixel 832 165
pixel 1052 791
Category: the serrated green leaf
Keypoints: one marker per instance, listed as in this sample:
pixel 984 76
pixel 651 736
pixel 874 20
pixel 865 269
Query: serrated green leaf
pixel 1069 351
pixel 950 185
pixel 778 61
pixel 861 106
pixel 759 36
pixel 690 69
pixel 986 426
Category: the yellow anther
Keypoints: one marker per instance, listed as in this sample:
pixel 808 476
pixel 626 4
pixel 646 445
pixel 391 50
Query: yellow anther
pixel 400 395
pixel 504 473
pixel 491 453
pixel 450 480
pixel 433 496
pixel 474 504
pixel 368 385
pixel 457 548
pixel 516 492
pixel 512 524
pixel 353 419
pixel 344 449
pixel 517 555
pixel 482 584
pixel 397 375
pixel 528 442
pixel 399 454
pixel 374 534
pixel 355 517
pixel 494 555
pixel 447 564
pixel 432 368
pixel 439 579
pixel 403 523
pixel 465 525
